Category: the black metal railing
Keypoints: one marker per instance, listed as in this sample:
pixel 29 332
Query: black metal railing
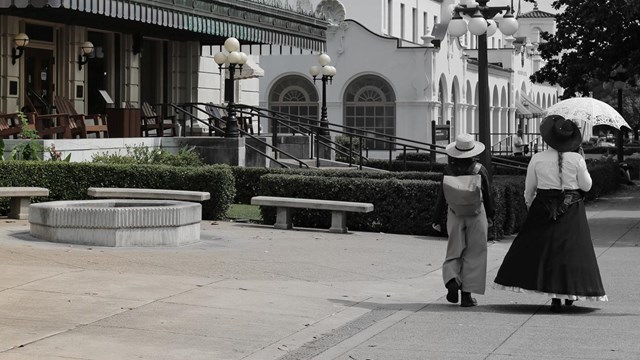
pixel 300 125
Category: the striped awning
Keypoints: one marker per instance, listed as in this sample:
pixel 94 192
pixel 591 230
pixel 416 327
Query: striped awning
pixel 522 112
pixel 536 110
pixel 253 22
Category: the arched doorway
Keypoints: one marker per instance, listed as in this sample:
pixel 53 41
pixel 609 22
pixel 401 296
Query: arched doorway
pixel 370 104
pixel 295 95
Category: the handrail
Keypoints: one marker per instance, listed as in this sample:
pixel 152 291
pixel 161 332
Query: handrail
pixel 243 132
pixel 313 127
pixel 393 141
pixel 267 156
pixel 351 128
pixel 279 117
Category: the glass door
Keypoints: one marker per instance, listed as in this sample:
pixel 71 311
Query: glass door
pixel 39 80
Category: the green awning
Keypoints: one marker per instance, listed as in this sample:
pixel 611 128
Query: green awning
pixel 251 22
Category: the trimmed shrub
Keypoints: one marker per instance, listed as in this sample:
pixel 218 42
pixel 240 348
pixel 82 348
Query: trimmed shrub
pixel 69 181
pixel 400 206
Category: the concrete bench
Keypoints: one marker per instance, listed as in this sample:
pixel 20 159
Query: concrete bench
pixel 338 209
pixel 161 194
pixel 21 199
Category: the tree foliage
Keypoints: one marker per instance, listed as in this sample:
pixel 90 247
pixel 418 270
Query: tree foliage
pixel 592 39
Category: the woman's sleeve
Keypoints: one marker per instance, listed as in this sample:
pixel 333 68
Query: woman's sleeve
pixel 531 183
pixel 584 178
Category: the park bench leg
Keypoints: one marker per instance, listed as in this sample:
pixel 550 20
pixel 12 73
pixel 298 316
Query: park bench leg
pixel 338 222
pixel 283 218
pixel 19 208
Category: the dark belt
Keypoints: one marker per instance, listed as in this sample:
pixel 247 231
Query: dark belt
pixel 556 202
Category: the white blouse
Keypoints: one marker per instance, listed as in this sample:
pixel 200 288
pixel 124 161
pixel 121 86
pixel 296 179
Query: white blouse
pixel 543 173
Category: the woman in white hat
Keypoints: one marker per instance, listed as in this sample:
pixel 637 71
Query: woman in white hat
pixel 466 190
pixel 553 253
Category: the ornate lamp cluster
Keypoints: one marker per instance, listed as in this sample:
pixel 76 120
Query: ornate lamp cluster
pixel 328 72
pixel 482 25
pixel 481 22
pixel 234 58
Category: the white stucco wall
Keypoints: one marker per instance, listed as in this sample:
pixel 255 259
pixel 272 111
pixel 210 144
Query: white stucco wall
pixel 415 71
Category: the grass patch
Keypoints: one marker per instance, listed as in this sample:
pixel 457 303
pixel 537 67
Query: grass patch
pixel 244 212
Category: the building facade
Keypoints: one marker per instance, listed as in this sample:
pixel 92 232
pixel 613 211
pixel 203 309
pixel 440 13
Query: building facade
pixel 159 52
pixel 392 79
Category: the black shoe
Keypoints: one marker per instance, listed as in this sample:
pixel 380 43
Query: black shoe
pixel 452 291
pixel 467 300
pixel 568 302
pixel 556 305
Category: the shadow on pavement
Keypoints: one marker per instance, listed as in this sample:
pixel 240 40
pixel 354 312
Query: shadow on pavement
pixel 490 308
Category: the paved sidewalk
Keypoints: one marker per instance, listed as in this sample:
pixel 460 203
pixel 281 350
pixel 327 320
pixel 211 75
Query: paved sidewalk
pixel 252 292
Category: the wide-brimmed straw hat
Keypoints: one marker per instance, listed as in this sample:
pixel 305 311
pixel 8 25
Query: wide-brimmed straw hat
pixel 560 133
pixel 464 147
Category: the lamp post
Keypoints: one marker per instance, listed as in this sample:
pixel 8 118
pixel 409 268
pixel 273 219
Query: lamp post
pixel 618 75
pixel 233 59
pixel 482 25
pixel 327 72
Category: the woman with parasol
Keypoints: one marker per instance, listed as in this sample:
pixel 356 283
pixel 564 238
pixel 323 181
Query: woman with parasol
pixel 553 253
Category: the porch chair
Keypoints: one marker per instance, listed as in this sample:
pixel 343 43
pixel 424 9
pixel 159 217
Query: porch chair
pixel 216 114
pixel 10 126
pixel 51 126
pixel 152 121
pixel 99 126
pixel 48 126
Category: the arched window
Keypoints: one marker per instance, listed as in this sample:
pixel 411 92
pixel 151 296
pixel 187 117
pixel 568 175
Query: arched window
pixel 295 95
pixel 370 104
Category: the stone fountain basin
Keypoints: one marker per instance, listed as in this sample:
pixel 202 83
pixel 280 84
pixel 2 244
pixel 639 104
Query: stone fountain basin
pixel 117 222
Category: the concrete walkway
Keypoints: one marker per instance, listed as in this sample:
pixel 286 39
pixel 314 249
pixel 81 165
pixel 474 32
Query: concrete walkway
pixel 252 292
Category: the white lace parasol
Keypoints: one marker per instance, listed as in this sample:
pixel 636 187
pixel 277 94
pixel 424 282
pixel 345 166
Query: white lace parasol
pixel 589 111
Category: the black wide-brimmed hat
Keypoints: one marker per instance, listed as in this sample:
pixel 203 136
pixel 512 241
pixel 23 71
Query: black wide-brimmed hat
pixel 560 133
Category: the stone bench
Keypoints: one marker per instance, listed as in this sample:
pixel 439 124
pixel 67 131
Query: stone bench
pixel 338 210
pixel 160 194
pixel 21 199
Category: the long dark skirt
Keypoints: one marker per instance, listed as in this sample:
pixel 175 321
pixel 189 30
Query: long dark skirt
pixel 555 257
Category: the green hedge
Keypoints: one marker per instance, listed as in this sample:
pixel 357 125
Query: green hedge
pixel 69 181
pixel 405 205
pixel 400 206
pixel 247 179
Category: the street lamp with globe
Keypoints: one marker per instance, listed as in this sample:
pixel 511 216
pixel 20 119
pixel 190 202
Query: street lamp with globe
pixel 234 59
pixel 482 25
pixel 328 73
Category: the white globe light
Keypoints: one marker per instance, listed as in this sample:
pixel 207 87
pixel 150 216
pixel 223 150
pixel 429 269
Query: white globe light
pixel 324 59
pixel 220 58
pixel 87 47
pixel 508 24
pixel 243 58
pixel 492 27
pixel 457 26
pixel 234 57
pixel 232 44
pixel 21 40
pixel 478 24
pixel 328 70
pixel 314 70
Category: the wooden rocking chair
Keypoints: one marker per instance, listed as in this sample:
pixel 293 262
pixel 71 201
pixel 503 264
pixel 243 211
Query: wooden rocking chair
pixel 152 121
pixel 77 121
